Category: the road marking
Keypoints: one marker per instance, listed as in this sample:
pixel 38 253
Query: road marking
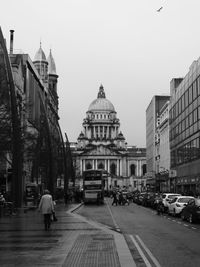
pixel 148 264
pixel 186 225
pixel 157 264
pixel 179 222
pixel 194 228
pixel 115 223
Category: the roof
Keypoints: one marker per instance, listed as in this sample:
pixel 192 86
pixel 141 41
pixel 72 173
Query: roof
pixel 40 55
pixel 101 103
pixel 51 64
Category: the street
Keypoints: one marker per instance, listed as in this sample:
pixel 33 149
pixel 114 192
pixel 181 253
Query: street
pixel 152 239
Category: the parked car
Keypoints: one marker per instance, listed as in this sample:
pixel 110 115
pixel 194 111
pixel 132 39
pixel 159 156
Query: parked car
pixel 191 212
pixel 135 196
pixel 140 198
pixel 148 199
pixel 167 197
pixel 177 204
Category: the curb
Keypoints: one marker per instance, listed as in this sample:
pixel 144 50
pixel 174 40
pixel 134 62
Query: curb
pixel 75 208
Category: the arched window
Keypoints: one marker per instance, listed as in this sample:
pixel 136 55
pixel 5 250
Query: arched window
pixel 132 169
pixel 144 169
pixel 113 169
pixel 101 166
pixel 88 166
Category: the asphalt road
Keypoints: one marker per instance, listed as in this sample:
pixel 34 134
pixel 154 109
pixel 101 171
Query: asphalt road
pixel 153 240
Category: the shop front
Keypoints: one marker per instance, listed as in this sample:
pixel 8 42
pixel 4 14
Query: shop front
pixel 189 185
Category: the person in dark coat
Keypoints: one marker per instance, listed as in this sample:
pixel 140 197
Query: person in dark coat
pixel 115 199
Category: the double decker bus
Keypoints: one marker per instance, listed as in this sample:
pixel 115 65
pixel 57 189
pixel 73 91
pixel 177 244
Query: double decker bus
pixel 93 186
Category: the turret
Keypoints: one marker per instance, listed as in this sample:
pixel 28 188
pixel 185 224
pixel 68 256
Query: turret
pixel 41 64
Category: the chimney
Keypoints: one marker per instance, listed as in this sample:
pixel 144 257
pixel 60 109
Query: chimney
pixel 11 41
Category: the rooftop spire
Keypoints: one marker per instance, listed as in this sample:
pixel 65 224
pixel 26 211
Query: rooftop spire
pixel 101 93
pixel 52 65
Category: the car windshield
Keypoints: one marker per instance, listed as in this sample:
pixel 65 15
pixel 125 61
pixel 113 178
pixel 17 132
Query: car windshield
pixel 172 196
pixel 183 200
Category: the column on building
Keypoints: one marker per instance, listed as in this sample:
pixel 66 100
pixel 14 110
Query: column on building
pixel 117 167
pixel 93 164
pixel 81 166
pixel 120 161
pixel 140 168
pixel 108 165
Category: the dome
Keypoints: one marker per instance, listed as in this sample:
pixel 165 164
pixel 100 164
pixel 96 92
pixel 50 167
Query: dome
pixel 51 64
pixel 101 103
pixel 40 55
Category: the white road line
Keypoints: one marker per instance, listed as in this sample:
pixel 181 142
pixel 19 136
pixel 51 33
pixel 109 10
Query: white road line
pixel 155 261
pixel 148 264
pixel 115 223
pixel 179 222
pixel 194 228
pixel 186 225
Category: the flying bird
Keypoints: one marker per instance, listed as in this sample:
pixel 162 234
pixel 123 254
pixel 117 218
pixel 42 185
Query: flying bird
pixel 160 9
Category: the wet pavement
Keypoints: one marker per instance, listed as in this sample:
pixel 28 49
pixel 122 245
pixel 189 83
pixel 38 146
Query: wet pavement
pixel 71 241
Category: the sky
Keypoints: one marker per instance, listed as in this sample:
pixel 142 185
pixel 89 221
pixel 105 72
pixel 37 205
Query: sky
pixel 125 45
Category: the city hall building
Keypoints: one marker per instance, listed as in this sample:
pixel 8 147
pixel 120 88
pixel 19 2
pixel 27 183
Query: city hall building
pixel 101 145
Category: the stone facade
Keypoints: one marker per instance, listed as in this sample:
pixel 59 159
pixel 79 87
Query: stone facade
pixel 101 145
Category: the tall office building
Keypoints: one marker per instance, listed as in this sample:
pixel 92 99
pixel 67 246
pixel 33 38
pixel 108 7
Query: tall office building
pixel 152 120
pixel 185 130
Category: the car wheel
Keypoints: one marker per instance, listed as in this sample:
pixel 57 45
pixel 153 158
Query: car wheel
pixel 182 216
pixel 190 218
pixel 174 213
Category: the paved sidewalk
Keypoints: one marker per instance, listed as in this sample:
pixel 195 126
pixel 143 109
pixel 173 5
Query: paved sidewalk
pixel 72 241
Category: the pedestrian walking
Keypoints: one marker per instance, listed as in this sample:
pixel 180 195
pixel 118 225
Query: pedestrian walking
pixel 46 207
pixel 115 199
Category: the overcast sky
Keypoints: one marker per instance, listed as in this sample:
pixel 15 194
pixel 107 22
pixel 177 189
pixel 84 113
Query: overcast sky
pixel 126 45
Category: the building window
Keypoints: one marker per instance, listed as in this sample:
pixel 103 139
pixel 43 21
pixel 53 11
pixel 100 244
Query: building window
pixel 190 94
pixel 144 169
pixel 186 98
pixel 100 165
pixel 113 169
pixel 132 169
pixel 88 166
